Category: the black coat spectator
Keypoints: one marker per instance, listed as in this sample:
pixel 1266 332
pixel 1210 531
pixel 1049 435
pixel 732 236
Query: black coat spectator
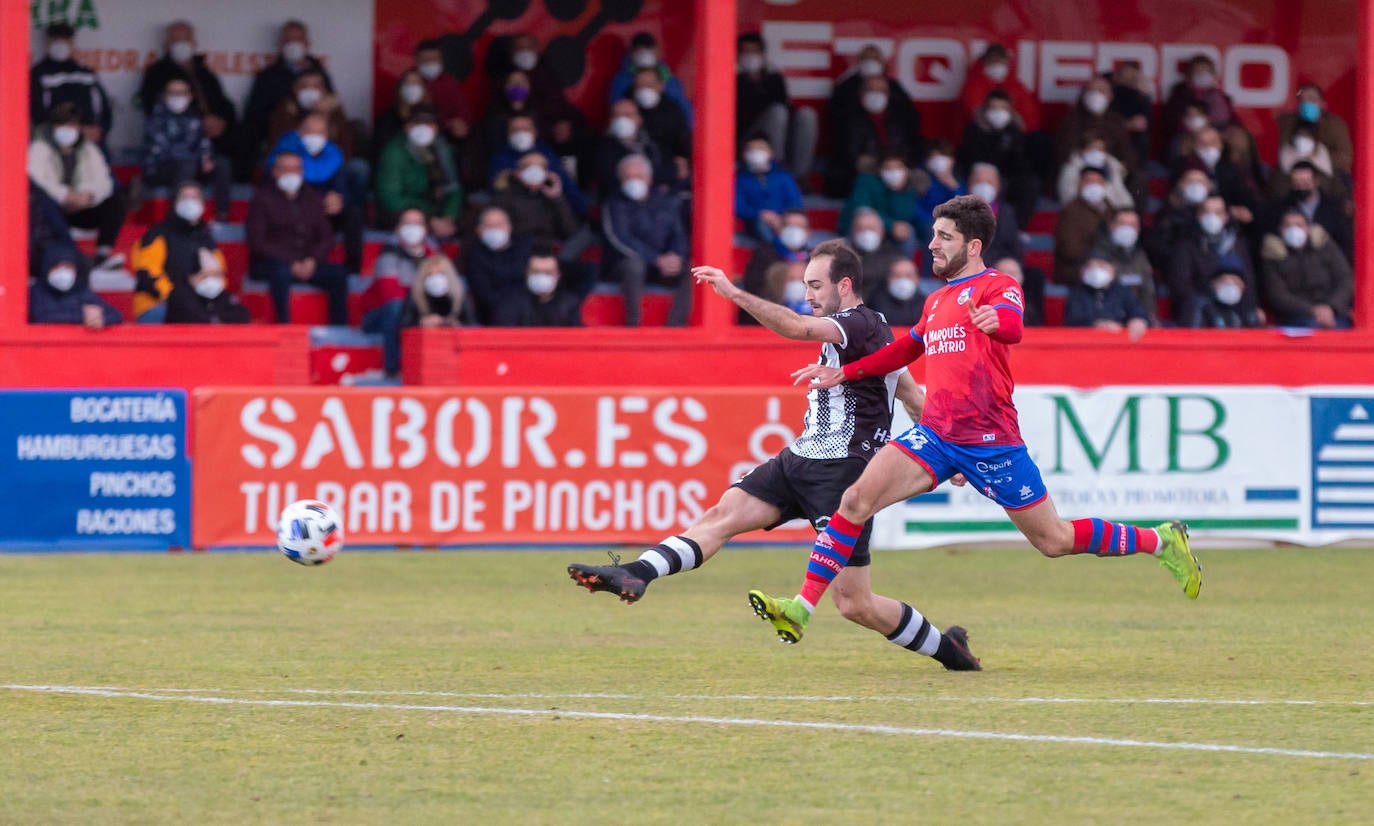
pixel 1201 256
pixel 884 124
pixel 545 302
pixel 171 252
pixel 48 231
pixel 495 263
pixel 1306 196
pixel 180 62
pixel 646 242
pixel 664 118
pixel 199 303
pixel 1307 281
pixel 534 200
pixel 272 83
pixel 59 79
pixel 995 137
pixel 626 136
pixel 898 296
pixel 63 296
pixel 1112 305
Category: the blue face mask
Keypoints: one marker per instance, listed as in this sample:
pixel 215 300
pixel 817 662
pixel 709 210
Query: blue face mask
pixel 1309 111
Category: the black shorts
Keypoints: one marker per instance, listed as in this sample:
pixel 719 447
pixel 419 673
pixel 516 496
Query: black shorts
pixel 808 489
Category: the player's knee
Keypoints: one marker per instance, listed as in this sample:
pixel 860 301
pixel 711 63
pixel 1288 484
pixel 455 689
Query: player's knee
pixel 856 505
pixel 1054 544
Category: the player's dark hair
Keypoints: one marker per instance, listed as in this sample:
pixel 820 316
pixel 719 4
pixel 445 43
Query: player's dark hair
pixel 749 37
pixel 972 217
pixel 432 44
pixel 844 262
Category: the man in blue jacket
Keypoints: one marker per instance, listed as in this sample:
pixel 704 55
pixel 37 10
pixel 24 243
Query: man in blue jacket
pixel 763 190
pixel 646 241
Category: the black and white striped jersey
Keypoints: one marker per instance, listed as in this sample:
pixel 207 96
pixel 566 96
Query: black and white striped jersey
pixel 854 418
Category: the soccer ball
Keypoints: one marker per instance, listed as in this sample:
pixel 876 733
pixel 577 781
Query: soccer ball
pixel 309 532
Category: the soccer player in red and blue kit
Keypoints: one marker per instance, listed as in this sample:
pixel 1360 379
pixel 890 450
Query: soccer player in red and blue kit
pixel 969 426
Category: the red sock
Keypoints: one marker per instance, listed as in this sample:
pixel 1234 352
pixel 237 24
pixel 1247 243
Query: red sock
pixel 1098 536
pixel 828 557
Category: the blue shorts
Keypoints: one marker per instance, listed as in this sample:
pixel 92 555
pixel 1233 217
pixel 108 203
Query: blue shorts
pixel 1003 473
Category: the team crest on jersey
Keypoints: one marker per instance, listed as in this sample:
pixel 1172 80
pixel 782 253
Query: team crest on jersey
pixel 1014 296
pixel 965 295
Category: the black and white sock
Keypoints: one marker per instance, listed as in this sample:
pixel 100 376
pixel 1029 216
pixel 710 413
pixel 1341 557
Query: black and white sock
pixel 915 633
pixel 671 556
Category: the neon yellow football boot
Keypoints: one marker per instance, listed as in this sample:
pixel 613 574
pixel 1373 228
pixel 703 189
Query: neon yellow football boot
pixel 787 615
pixel 1175 555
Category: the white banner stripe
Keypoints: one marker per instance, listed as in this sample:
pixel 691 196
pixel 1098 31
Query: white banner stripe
pixel 1348 516
pixel 1355 432
pixel 1346 495
pixel 1345 453
pixel 1329 473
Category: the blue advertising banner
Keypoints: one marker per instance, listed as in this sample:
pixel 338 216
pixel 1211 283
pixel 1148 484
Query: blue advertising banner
pixel 94 470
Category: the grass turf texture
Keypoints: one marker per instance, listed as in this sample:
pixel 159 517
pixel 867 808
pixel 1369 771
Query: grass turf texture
pixel 1271 624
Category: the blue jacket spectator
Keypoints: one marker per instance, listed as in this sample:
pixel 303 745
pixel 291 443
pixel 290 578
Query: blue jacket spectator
pixel 646 241
pixel 62 296
pixel 47 231
pixel 644 54
pixel 763 191
pixel 322 171
pixel 508 157
pixel 1099 300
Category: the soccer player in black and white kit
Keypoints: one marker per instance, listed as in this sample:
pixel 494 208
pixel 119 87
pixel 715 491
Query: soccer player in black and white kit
pixel 844 427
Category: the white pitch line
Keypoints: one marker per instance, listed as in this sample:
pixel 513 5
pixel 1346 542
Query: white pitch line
pixel 714 721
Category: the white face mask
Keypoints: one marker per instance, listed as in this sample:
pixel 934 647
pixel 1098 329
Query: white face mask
pixel 1093 193
pixel 793 237
pixel 1125 236
pixel 522 141
pixel 894 178
pixel 870 67
pixel 1195 192
pixel 495 238
pixel 524 59
pixel 751 63
pixel 1304 145
pixel 902 289
pixel 412 93
pixel 314 143
pixel 430 69
pixel 1204 80
pixel 534 175
pixel 1295 237
pixel 177 103
pixel 939 164
pixel 623 127
pixel 647 97
pixel 1096 102
pixel 868 240
pixel 210 286
pixel 636 189
pixel 190 209
pixel 999 118
pixel 436 285
pixel 1209 155
pixel 422 135
pixel 1211 223
pixel 794 293
pixel 182 51
pixel 62 278
pixel 1097 277
pixel 541 283
pixel 645 58
pixel 1095 157
pixel 290 183
pixel 66 136
pixel 996 72
pixel 1195 123
pixel 411 235
pixel 60 50
pixel 984 190
pixel 308 97
pixel 293 51
pixel 875 102
pixel 1229 294
pixel 758 159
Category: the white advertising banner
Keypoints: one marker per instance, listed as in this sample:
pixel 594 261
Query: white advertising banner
pixel 119 38
pixel 1235 463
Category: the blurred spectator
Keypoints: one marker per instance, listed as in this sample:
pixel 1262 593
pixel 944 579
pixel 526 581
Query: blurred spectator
pixel 1214 242
pixel 1304 147
pixel 1228 301
pixel 61 297
pixel 326 173
pixel 1093 114
pixel 938 184
pixel 410 92
pixel 870 240
pixel 1331 130
pixel 1181 144
pixel 521 139
pixel 311 94
pixel 57 79
pixel 203 299
pixel 644 54
pixel 890 193
pixel 437 297
pixel 996 137
pixel 646 242
pixel 899 300
pixel 626 136
pixel 72 170
pixel 452 106
pixel 289 240
pixel 393 273
pixel 562 125
pixel 545 303
pixel 1081 222
pixel 180 61
pixel 1307 281
pixel 846 100
pixel 177 250
pixel 763 190
pixel 1134 105
pixel 1305 195
pixel 1093 152
pixel 495 263
pixel 1098 300
pixel 1177 216
pixel 1007 250
pixel 1231 181
pixel 48 230
pixel 510 99
pixel 993 71
pixel 665 120
pixel 176 147
pixel 762 106
pixel 273 83
pixel 532 195
pixel 417 171
pixel 790 244
pixel 1198 87
pixel 787 280
pixel 885 123
pixel 1123 250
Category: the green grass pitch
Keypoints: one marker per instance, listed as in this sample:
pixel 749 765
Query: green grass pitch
pixel 484 687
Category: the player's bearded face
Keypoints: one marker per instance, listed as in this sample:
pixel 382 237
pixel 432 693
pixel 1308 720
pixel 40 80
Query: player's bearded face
pixel 826 300
pixel 943 266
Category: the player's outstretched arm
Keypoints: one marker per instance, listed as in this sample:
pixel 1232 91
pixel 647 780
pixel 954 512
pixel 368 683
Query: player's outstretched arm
pixel 910 394
pixel 782 320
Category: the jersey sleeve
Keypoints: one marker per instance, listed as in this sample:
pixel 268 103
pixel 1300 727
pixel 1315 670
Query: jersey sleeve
pixel 1003 293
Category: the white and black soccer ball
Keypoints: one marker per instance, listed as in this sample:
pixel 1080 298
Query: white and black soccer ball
pixel 309 532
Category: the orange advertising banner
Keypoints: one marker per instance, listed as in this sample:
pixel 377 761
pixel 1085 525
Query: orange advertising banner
pixel 430 467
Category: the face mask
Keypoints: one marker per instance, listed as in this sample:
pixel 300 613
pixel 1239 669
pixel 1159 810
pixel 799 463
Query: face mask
pixel 1096 102
pixel 177 103
pixel 623 127
pixel 645 58
pixel 210 286
pixel 412 93
pixel 422 135
pixel 1210 155
pixel 793 237
pixel 984 190
pixel 1229 294
pixel 895 178
pixel 1194 193
pixel 429 70
pixel 996 72
pixel 636 189
pixel 999 118
pixel 794 293
pixel 436 285
pixel 308 97
pixel 290 183
pixel 1204 80
pixel 182 51
pixel 522 141
pixel 1095 157
pixel 534 175
pixel 541 283
pixel 1295 237
pixel 646 97
pixel 1304 145
pixel 1097 277
pixel 294 51
pixel 868 240
pixel 871 67
pixel 60 50
pixel 314 143
pixel 1211 223
pixel 1195 123
pixel 1125 236
pixel 751 63
pixel 525 59
pixel 495 238
pixel 411 234
pixel 62 278
pixel 1309 111
pixel 758 159
pixel 517 93
pixel 902 289
pixel 190 209
pixel 66 136
pixel 939 164
pixel 875 102
pixel 1093 193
